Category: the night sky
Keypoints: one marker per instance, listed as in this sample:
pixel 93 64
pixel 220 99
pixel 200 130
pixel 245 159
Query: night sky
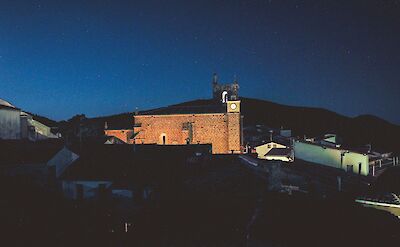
pixel 61 58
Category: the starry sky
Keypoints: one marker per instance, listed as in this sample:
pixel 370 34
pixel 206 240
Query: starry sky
pixel 61 58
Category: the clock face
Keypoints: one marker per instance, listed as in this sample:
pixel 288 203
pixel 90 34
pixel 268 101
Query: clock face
pixel 233 106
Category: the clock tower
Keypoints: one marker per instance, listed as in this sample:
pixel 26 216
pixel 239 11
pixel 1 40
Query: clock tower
pixel 233 106
pixel 234 125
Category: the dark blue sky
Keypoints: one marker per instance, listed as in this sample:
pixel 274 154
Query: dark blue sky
pixel 61 58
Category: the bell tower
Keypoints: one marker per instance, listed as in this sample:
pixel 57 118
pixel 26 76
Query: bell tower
pixel 234 125
pixel 230 89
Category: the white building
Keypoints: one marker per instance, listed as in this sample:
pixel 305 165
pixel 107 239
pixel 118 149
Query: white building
pixel 10 121
pixel 16 124
pixel 263 149
pixel 330 155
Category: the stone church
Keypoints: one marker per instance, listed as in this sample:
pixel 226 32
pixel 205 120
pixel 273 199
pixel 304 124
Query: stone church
pixel 217 122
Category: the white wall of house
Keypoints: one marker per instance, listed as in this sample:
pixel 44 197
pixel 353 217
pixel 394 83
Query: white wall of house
pixel 263 149
pixel 90 188
pixel 41 131
pixel 62 160
pixel 331 157
pixel 355 160
pixel 10 124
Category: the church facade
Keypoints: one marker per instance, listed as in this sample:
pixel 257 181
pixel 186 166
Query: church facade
pixel 217 122
pixel 221 129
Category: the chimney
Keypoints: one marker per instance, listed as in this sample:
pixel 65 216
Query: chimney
pixel 270 135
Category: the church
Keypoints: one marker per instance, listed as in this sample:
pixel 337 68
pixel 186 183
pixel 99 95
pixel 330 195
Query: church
pixel 217 122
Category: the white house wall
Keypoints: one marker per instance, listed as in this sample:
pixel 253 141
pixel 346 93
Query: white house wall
pixel 90 188
pixel 62 160
pixel 354 159
pixel 262 150
pixel 41 131
pixel 330 157
pixel 10 124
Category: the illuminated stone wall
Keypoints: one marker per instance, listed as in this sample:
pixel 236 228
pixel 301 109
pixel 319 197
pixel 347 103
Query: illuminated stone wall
pixel 123 135
pixel 222 130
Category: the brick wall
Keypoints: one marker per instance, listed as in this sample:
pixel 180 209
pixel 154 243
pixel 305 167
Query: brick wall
pixel 233 129
pixel 120 134
pixel 222 130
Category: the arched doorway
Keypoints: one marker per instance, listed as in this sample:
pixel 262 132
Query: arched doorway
pixel 163 139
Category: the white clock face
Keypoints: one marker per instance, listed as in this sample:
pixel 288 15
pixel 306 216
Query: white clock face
pixel 233 106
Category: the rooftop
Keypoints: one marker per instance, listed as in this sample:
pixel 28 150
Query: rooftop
pixel 279 152
pixel 6 103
